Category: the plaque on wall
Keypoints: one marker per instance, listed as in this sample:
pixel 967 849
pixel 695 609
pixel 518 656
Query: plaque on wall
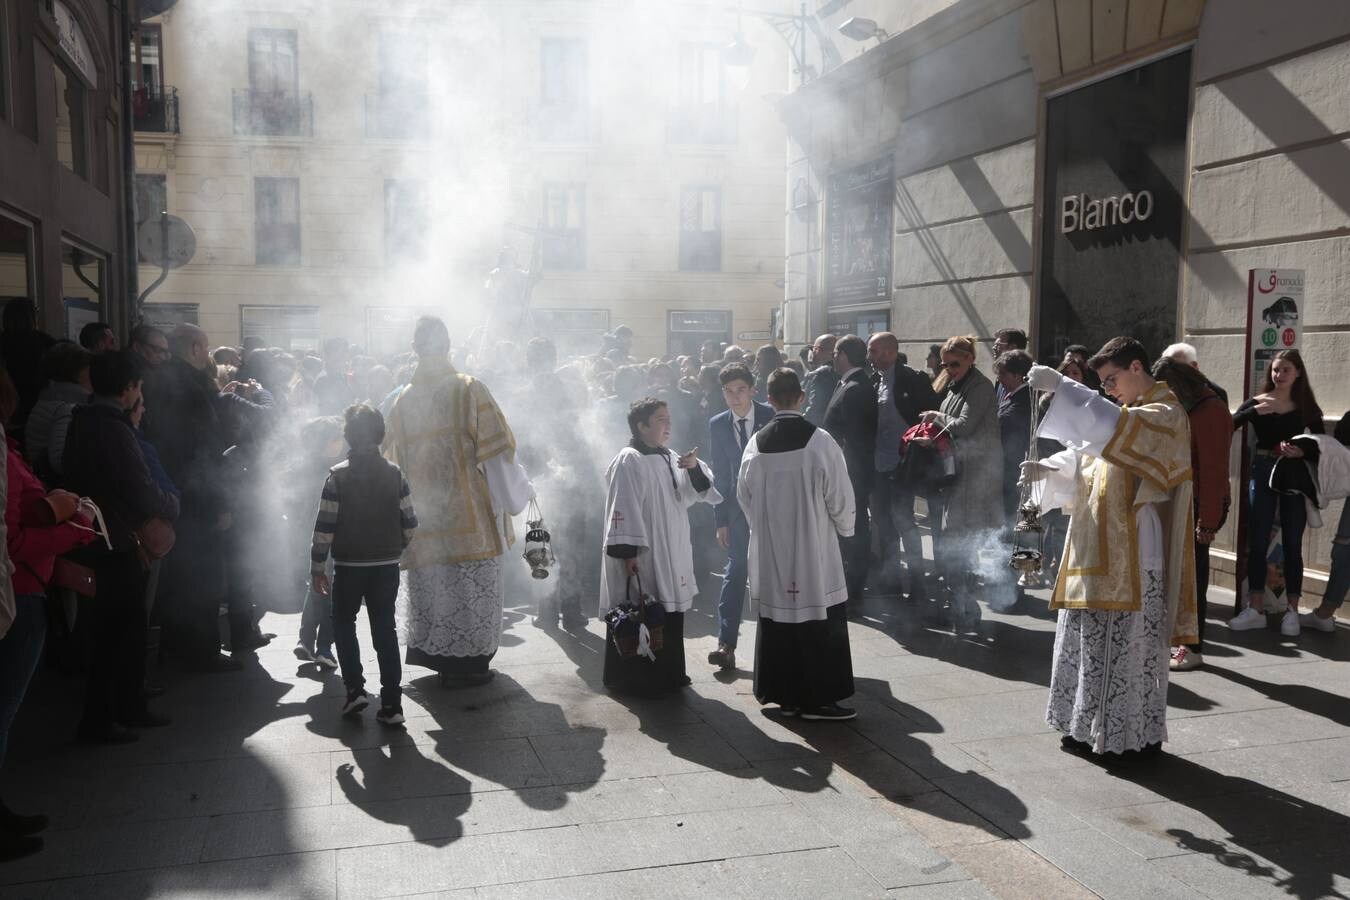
pixel 858 219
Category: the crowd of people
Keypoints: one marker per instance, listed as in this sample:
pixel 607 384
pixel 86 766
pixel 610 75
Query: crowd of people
pixel 192 490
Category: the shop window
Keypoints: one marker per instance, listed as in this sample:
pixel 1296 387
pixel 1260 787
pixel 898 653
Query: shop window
pixel 563 113
pixel 276 215
pixel 687 330
pixel 405 220
pixel 705 112
pixel 287 327
pixel 16 261
pixel 70 120
pixel 564 243
pixel 701 229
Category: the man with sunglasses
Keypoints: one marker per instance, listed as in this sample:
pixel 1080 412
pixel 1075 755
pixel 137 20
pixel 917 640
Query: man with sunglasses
pixel 1126 590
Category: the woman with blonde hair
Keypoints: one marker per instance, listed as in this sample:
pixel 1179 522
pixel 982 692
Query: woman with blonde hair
pixel 969 415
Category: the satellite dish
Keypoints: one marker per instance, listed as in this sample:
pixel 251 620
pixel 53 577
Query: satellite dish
pixel 151 8
pixel 167 241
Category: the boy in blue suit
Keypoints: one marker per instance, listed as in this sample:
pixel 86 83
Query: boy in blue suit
pixel 729 433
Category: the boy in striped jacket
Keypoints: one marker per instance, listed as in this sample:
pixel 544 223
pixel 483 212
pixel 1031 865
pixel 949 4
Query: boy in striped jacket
pixel 366 521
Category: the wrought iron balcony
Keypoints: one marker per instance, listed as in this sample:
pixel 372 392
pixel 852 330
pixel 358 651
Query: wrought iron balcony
pixel 563 123
pixel 702 125
pixel 278 113
pixel 397 116
pixel 154 108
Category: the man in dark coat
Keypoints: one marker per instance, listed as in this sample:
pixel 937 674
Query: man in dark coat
pixel 821 380
pixel 1014 423
pixel 851 419
pixel 183 421
pixel 103 460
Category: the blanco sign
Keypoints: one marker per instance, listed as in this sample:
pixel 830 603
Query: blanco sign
pixel 73 44
pixel 1079 212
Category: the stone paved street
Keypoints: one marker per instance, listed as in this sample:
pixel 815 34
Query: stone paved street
pixel 948 785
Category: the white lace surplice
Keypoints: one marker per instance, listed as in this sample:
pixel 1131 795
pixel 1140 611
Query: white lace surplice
pixel 454 610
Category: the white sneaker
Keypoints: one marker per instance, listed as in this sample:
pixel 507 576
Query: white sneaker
pixel 325 659
pixel 1314 621
pixel 1247 620
pixel 1289 624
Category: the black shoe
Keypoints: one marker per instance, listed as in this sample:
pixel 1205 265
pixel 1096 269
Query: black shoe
pixel 152 690
pixel 148 720
pixel 832 713
pixel 574 622
pixel 17 846
pixel 356 702
pixel 390 715
pixel 14 824
pixel 109 734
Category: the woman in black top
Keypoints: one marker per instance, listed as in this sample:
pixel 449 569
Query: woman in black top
pixel 1285 407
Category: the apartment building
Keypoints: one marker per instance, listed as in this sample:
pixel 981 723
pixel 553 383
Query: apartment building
pixel 349 165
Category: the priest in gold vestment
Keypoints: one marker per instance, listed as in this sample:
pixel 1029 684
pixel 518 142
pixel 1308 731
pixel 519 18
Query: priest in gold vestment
pixel 457 451
pixel 1126 586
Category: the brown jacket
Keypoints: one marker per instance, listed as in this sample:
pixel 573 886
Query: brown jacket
pixel 1211 434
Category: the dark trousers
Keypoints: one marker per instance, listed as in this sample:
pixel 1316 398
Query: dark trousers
pixel 194 581
pixel 731 601
pixel 1267 506
pixel 114 691
pixel 20 650
pixel 857 550
pixel 378 586
pixel 1338 581
pixel 893 505
pixel 1201 589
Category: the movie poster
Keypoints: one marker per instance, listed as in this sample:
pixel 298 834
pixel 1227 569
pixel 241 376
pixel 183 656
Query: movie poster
pixel 858 227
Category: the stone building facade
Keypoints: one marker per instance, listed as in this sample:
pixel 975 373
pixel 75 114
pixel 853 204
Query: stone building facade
pixel 940 180
pixel 63 223
pixel 348 165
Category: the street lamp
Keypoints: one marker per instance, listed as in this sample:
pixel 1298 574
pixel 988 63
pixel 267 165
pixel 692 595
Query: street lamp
pixel 739 54
pixel 860 29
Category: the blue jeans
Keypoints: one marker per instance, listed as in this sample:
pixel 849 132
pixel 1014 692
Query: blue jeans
pixel 1293 515
pixel 378 586
pixel 316 619
pixel 1338 582
pixel 20 649
pixel 732 599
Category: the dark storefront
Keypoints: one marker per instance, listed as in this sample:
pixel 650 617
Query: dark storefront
pixel 1113 202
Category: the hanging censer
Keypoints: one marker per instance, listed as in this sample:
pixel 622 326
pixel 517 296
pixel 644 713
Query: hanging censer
pixel 537 553
pixel 1028 546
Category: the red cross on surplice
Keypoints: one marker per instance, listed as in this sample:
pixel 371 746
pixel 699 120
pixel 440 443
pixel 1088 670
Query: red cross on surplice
pixel 616 519
pixel 793 590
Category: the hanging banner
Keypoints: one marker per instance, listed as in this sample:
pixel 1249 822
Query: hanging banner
pixel 1274 319
pixel 858 217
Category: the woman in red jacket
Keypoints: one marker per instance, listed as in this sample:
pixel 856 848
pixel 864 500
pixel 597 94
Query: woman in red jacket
pixel 1211 435
pixel 39 527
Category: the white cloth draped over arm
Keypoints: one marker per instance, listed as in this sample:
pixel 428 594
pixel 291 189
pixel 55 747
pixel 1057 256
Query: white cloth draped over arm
pixel 510 490
pixel 1080 418
pixel 1060 486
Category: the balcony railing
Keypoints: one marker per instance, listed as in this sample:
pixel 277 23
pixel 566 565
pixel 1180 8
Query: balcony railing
pixel 563 123
pixel 702 125
pixel 154 108
pixel 278 113
pixel 397 116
